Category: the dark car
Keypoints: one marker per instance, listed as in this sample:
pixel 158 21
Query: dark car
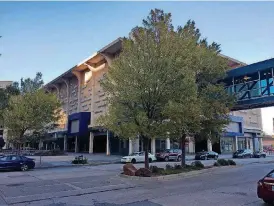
pixel 259 154
pixel 169 154
pixel 16 162
pixel 206 155
pixel 243 153
pixel 265 188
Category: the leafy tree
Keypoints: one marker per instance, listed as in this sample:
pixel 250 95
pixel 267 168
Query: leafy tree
pixel 30 112
pixel 142 80
pixel 166 81
pixel 209 110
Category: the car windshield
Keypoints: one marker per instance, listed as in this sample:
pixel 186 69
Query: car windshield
pixel 271 174
pixel 240 151
pixel 136 153
pixel 199 153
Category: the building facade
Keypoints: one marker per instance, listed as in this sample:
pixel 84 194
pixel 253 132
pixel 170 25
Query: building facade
pixel 83 101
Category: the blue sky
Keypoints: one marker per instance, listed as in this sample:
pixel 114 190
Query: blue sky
pixel 51 37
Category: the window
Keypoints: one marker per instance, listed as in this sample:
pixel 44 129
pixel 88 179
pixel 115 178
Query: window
pixel 3 158
pixel 271 174
pixel 14 158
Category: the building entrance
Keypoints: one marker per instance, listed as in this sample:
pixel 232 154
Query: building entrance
pixel 100 144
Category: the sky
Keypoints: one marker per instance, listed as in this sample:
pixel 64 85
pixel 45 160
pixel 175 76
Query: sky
pixel 52 37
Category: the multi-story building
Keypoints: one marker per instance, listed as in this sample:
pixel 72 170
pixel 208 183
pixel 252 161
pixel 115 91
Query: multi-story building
pixel 83 101
pixel 3 132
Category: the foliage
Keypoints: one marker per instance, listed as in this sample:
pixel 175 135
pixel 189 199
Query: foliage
pixel 178 167
pixel 80 160
pixel 154 169
pixel 198 164
pixel 168 166
pixel 159 73
pixel 222 162
pixel 231 162
pixel 28 113
pixel 216 164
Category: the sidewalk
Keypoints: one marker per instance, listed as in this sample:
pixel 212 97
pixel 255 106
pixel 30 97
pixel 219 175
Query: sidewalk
pixel 101 159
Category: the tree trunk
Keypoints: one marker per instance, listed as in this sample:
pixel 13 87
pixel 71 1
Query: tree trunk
pixel 146 152
pixel 183 145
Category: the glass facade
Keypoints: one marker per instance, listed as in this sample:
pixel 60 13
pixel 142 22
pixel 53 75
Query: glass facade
pixel 242 143
pixel 227 144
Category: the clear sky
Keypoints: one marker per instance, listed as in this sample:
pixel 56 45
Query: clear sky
pixel 51 37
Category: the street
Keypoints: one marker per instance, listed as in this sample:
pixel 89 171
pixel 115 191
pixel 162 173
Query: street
pixel 102 186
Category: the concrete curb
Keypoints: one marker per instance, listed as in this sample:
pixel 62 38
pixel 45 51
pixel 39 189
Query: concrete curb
pixel 73 165
pixel 175 176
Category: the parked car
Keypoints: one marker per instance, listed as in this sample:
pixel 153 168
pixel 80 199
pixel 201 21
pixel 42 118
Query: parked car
pixel 265 188
pixel 259 154
pixel 243 153
pixel 16 162
pixel 137 157
pixel 206 155
pixel 169 154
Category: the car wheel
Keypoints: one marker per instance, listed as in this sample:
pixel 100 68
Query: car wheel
pixel 166 158
pixel 133 161
pixel 264 156
pixel 149 160
pixel 179 159
pixel 24 167
pixel 216 157
pixel 268 202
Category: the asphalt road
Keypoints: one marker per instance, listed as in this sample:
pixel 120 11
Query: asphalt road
pixel 100 186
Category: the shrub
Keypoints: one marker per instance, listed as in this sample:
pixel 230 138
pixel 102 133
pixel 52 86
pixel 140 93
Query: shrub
pixel 154 169
pixel 178 167
pixel 216 164
pixel 231 162
pixel 79 160
pixel 198 164
pixel 222 162
pixel 169 167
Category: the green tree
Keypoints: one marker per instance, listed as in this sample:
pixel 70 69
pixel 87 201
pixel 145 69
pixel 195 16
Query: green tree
pixel 142 80
pixel 29 112
pixel 166 81
pixel 209 110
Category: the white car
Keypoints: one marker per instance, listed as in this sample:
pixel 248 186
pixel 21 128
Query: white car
pixel 137 157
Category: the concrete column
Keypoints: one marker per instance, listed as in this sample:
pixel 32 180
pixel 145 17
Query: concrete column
pixel 261 144
pixel 136 145
pixel 167 143
pixel 209 145
pixel 246 143
pixel 40 144
pixel 76 144
pixel 153 146
pixel 91 138
pixel 236 143
pixel 46 146
pixel 65 143
pixel 130 147
pixel 108 149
